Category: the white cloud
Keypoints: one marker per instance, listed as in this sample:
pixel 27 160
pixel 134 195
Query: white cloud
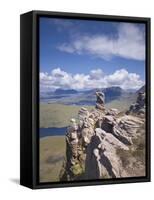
pixel 128 43
pixel 96 74
pixel 95 79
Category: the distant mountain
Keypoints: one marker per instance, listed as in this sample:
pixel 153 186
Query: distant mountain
pixel 114 90
pixel 62 92
pixel 88 97
pixel 131 90
pixel 112 93
pixel 142 89
pixel 49 93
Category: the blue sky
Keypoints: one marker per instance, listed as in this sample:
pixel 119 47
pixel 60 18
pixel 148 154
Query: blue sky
pixel 78 49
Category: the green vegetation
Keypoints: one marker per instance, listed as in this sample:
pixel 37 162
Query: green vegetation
pixel 57 115
pixel 139 144
pixel 52 153
pixel 122 104
pixel 77 169
pixel 134 158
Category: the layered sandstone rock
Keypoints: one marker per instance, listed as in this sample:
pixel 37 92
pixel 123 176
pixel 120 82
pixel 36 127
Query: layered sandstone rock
pixel 94 139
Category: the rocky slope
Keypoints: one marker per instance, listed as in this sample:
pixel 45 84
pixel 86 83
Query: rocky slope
pixel 105 143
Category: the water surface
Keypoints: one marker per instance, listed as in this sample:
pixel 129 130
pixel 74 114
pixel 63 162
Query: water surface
pixel 52 131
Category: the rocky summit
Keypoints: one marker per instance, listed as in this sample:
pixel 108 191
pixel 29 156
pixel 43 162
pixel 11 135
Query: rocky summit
pixel 103 143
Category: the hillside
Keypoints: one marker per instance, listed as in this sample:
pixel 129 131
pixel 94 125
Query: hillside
pixel 85 97
pixel 61 91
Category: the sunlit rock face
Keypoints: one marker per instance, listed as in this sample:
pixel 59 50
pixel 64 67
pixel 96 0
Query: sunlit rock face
pixel 98 140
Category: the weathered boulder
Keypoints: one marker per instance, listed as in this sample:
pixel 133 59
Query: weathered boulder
pixel 87 131
pixel 112 111
pixel 102 160
pixel 72 148
pixel 122 135
pixel 138 108
pixel 100 100
pixel 83 113
pixel 130 124
pixel 110 125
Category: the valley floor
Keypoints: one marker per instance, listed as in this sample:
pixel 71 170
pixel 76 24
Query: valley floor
pixel 52 153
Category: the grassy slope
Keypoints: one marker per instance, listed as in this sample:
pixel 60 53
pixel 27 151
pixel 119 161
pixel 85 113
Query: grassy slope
pixel 121 104
pixel 133 160
pixel 57 115
pixel 52 152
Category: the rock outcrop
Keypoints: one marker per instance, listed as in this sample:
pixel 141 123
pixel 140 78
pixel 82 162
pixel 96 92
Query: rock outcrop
pixel 138 108
pixel 94 139
pixel 102 160
pixel 100 100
